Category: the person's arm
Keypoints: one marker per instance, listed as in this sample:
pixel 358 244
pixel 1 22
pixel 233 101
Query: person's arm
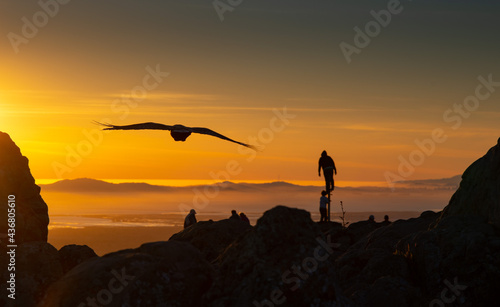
pixel 319 167
pixel 334 168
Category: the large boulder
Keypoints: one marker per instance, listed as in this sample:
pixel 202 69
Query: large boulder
pixel 387 237
pixel 458 261
pixel 360 229
pixel 31 213
pixel 37 266
pixel 284 259
pixel 212 238
pixel 479 191
pixel 72 255
pixel 155 274
pixel 370 265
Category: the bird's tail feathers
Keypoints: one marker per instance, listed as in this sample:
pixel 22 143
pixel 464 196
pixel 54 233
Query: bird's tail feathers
pixel 109 126
pixel 258 148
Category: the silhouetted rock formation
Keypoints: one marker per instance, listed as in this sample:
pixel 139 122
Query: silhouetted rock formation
pixel 37 262
pixel 285 258
pixel 479 191
pixel 212 238
pixel 371 274
pixel 32 217
pixel 462 251
pixel 450 258
pixel 155 274
pixel 72 255
pixel 37 267
pixel 458 259
pixel 360 229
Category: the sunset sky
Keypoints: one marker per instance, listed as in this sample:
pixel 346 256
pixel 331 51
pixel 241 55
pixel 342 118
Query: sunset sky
pixel 95 61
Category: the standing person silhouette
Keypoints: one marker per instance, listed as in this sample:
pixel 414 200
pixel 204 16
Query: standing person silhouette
pixel 190 219
pixel 326 162
pixel 323 201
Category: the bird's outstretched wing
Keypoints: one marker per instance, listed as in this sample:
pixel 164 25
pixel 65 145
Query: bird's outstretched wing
pixel 213 133
pixel 143 126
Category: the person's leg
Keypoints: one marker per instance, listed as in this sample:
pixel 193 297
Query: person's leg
pixel 322 211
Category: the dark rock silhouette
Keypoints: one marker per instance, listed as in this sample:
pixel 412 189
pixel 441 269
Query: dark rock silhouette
pixel 37 267
pixel 72 255
pixel 360 229
pixel 37 262
pixel 155 274
pixel 212 238
pixel 450 258
pixel 32 216
pixel 460 250
pixel 369 265
pixel 479 191
pixel 260 265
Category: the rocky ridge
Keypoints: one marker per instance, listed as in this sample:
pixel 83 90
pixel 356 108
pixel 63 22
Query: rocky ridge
pixel 448 258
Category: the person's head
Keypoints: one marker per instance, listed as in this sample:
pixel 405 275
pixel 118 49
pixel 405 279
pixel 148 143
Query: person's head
pixel 242 214
pixel 323 193
pixel 233 212
pixel 386 218
pixel 323 154
pixel 371 218
pixel 192 211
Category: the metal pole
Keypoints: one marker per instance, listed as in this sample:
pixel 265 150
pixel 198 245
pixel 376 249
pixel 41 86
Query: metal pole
pixel 329 201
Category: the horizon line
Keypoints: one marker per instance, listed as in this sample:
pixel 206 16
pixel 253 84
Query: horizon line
pixel 195 182
pixel 198 182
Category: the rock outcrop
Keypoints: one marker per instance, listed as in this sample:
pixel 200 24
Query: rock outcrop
pixel 155 274
pixel 212 238
pixel 72 255
pixel 479 191
pixel 457 260
pixel 449 258
pixel 31 211
pixel 36 262
pixel 460 258
pixel 37 267
pixel 283 260
pixel 369 271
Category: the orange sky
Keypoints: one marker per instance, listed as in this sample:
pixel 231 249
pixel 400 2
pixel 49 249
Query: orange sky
pixel 229 76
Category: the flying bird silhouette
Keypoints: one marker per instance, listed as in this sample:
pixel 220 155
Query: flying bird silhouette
pixel 178 132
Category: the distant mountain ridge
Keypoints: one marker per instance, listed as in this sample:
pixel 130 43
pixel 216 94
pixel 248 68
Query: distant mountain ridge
pixel 86 185
pixel 95 185
pixel 452 182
